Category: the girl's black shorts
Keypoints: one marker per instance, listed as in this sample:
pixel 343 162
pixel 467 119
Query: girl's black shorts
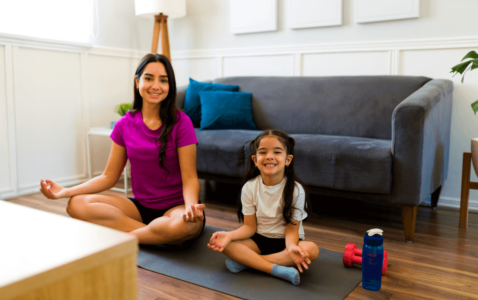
pixel 268 245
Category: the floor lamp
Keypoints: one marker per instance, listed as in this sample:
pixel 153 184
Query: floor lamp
pixel 160 10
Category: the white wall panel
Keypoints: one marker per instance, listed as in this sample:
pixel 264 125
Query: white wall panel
pixel 346 63
pixel 48 118
pixel 464 126
pixel 110 83
pixel 270 65
pixel 197 69
pixel 4 144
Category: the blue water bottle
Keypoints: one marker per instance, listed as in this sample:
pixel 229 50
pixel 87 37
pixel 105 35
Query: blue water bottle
pixel 372 259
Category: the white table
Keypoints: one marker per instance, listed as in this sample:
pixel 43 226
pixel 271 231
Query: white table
pixel 104 131
pixel 48 256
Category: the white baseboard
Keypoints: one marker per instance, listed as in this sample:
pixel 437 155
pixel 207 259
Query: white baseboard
pixel 7 193
pixel 454 204
pixel 34 188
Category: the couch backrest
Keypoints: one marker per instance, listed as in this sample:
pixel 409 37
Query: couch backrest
pixel 360 106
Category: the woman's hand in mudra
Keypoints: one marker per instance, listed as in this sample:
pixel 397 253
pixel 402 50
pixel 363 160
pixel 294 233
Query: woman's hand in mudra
pixel 52 190
pixel 194 213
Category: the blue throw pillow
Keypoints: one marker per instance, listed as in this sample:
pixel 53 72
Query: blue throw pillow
pixel 192 104
pixel 226 110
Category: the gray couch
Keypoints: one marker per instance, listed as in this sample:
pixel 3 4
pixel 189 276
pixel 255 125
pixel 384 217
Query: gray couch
pixel 381 138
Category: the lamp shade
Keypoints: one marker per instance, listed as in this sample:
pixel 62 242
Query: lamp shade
pixel 149 8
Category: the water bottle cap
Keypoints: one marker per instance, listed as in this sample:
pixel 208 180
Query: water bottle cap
pixel 375 231
pixel 373 237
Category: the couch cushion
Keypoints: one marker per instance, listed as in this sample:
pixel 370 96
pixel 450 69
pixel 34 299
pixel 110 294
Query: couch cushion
pixel 359 106
pixel 226 110
pixel 344 163
pixel 192 104
pixel 221 152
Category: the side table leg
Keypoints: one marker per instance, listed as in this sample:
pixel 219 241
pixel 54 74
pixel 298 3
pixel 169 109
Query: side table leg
pixel 465 190
pixel 88 158
pixel 125 178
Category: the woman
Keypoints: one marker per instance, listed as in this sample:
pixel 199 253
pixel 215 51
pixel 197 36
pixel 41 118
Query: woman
pixel 160 143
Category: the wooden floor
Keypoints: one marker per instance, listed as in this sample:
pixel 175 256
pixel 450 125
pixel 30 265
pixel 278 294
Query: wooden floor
pixel 442 262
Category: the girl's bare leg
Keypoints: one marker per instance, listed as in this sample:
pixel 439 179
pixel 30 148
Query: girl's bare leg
pixel 241 252
pixel 283 258
pixel 120 213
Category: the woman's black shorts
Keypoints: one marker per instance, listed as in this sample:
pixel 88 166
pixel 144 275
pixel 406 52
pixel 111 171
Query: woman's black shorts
pixel 149 214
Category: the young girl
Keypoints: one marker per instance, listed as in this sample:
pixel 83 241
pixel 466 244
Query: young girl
pixel 274 204
pixel 160 143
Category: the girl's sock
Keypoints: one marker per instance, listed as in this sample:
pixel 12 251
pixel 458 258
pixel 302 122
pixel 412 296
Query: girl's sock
pixel 234 266
pixel 286 273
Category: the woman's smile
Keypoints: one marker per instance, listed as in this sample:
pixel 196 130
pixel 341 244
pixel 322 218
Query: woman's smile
pixel 153 85
pixel 154 95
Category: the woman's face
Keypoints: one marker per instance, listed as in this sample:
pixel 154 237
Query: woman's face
pixel 153 85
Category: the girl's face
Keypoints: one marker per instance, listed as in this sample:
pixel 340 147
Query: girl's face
pixel 271 157
pixel 153 84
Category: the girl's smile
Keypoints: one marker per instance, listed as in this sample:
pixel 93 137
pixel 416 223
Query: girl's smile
pixel 271 159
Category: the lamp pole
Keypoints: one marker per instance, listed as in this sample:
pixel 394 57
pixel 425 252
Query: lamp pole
pixel 161 26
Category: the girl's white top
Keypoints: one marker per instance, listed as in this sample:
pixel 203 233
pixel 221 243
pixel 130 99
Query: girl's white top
pixel 267 203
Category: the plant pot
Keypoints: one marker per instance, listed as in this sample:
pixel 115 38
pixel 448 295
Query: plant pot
pixel 474 154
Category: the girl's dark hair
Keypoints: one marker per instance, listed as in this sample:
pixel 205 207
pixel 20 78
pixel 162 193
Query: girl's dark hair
pixel 167 113
pixel 288 194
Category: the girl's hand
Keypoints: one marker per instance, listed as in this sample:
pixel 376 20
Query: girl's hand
pixel 194 213
pixel 51 190
pixel 300 257
pixel 219 241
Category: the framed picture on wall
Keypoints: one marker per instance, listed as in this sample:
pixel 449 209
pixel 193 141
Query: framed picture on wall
pixel 248 16
pixel 367 11
pixel 314 13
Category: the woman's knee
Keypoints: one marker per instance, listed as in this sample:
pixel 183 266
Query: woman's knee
pixel 177 229
pixel 189 230
pixel 77 207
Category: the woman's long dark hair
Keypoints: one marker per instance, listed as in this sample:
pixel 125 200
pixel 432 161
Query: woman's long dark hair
pixel 288 193
pixel 167 113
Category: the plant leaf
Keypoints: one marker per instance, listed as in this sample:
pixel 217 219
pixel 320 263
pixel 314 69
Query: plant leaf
pixel 474 106
pixel 123 108
pixel 475 64
pixel 460 68
pixel 471 54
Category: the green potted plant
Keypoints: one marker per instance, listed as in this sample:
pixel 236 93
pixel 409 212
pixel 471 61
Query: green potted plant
pixel 121 109
pixel 462 68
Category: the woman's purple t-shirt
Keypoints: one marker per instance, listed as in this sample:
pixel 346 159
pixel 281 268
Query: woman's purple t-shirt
pixel 152 186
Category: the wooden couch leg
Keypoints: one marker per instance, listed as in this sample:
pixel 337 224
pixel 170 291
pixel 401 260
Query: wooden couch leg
pixel 409 217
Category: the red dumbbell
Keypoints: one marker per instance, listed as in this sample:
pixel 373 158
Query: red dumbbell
pixel 352 256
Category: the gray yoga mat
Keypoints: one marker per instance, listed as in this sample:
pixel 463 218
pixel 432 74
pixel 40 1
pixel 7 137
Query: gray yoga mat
pixel 327 278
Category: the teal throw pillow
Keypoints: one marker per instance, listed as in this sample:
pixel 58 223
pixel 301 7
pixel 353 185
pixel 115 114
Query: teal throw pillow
pixel 192 104
pixel 226 110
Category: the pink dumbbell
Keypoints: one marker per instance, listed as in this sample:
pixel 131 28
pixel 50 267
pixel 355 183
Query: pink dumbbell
pixel 352 256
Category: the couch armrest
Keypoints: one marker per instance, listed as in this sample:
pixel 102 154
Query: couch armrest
pixel 180 94
pixel 421 142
